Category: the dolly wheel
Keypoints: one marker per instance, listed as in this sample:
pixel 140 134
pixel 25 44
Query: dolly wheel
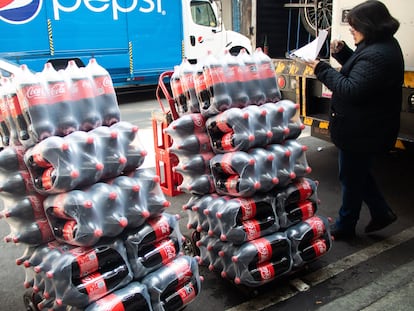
pixel 31 300
pixel 189 247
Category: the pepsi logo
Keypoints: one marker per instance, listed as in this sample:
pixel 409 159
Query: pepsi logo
pixel 19 11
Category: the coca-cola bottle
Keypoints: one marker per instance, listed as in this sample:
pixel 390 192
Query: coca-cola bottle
pixel 231 141
pixel 4 123
pixel 181 297
pixel 316 249
pixel 155 229
pixel 34 100
pixel 250 230
pixel 12 102
pixel 232 163
pixel 47 180
pixel 264 249
pixel 300 190
pixel 233 119
pixel 95 286
pixel 201 87
pixel 307 230
pixel 28 208
pixel 16 183
pixel 132 297
pixel 233 71
pixel 11 159
pixel 159 253
pixel 198 164
pixel 236 186
pixel 220 99
pixel 251 79
pixel 192 144
pixel 267 75
pixel 59 98
pixel 198 185
pixel 178 94
pixel 187 81
pixel 105 96
pixel 248 208
pixel 268 271
pixel 300 211
pixel 187 124
pixel 87 261
pixel 32 233
pixel 82 97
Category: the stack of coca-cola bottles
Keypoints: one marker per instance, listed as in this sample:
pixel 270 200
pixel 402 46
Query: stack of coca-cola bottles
pixel 252 203
pixel 94 224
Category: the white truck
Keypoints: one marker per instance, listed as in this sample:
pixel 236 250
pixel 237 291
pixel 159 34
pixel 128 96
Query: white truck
pixel 298 83
pixel 134 40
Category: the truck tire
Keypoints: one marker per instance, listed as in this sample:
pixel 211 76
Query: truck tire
pixel 312 19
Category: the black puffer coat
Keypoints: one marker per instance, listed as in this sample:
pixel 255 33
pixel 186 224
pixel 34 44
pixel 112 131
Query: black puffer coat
pixel 366 96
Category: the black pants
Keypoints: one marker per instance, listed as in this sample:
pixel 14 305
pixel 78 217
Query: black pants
pixel 358 185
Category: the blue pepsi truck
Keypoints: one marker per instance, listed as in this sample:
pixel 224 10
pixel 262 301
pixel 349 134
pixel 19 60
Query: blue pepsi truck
pixel 135 40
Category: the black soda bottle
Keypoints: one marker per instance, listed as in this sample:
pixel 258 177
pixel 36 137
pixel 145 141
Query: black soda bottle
pixel 251 78
pixel 182 297
pixel 299 190
pixel 267 75
pixel 82 97
pixel 105 96
pixel 159 253
pixel 301 211
pixel 178 94
pixel 132 297
pixel 316 249
pixel 187 124
pixel 233 71
pixel 155 229
pixel 187 80
pixel 59 99
pixel 268 271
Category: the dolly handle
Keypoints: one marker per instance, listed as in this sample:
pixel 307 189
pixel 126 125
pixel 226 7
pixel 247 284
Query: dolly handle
pixel 171 102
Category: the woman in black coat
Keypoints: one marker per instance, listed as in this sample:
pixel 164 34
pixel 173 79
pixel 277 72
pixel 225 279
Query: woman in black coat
pixel 364 112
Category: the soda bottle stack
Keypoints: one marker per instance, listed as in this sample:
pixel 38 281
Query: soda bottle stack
pixel 60 164
pixel 260 187
pixel 192 147
pixel 22 205
pixel 105 209
pixel 72 168
pixel 56 103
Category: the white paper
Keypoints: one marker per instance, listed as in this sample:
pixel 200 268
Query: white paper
pixel 311 50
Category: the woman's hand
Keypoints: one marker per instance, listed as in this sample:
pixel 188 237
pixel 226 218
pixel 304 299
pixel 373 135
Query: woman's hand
pixel 336 46
pixel 312 63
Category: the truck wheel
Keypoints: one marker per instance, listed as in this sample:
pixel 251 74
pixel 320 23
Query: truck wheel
pixel 319 18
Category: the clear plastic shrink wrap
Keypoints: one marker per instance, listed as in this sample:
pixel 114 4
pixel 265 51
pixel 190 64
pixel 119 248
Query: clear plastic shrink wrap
pixel 83 217
pixel 60 164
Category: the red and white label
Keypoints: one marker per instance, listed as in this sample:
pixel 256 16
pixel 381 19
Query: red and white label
pixel 267 271
pixel 88 263
pixel 320 247
pixel 167 251
pixel 264 249
pixel 248 208
pixel 161 227
pixel 187 293
pixel 307 210
pixel 252 229
pixel 110 302
pixel 95 286
pixel 317 226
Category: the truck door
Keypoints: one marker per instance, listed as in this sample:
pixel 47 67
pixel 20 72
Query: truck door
pixel 203 31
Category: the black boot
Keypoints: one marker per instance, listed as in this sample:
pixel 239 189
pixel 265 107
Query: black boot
pixel 378 224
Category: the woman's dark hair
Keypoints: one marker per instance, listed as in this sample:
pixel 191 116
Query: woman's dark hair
pixel 373 20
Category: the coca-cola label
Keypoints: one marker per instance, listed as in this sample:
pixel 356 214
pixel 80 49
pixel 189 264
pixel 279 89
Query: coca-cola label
pixel 69 230
pixel 87 263
pixel 110 302
pixel 14 106
pixel 222 124
pixel 176 87
pixel 95 286
pixel 34 94
pixel 267 271
pixel 182 270
pixel 225 164
pixel 305 190
pixel 187 293
pixel 161 227
pixel 167 251
pixel 103 85
pixel 81 89
pixel 217 75
pixel 47 181
pixel 199 122
pixel 227 141
pixel 231 184
pixel 248 208
pixel 264 249
pixel 58 92
pixel 316 225
pixel 320 247
pixel 204 142
pixel 307 210
pixel 252 229
pixel 188 81
pixel 200 83
pixel 266 70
